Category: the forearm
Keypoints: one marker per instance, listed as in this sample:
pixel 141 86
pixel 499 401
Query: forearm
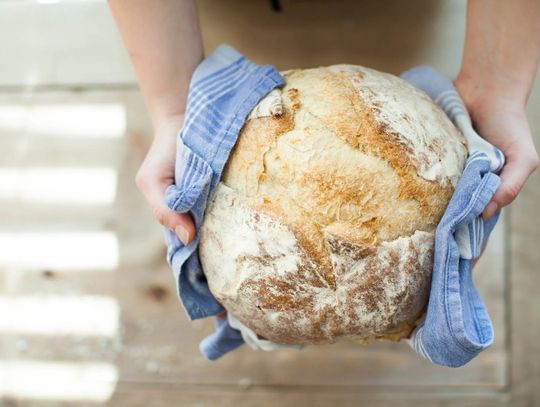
pixel 502 48
pixel 164 43
pixel 500 61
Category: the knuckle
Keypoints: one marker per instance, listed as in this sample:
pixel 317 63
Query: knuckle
pixel 510 192
pixel 160 214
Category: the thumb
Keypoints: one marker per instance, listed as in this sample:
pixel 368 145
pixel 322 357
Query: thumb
pixel 179 223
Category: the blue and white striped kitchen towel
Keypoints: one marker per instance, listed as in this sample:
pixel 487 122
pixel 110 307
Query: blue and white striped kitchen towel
pixel 224 89
pixel 457 327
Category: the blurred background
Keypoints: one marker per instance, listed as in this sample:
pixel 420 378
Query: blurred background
pixel 88 308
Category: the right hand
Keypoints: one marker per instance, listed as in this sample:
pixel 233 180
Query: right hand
pixel 157 173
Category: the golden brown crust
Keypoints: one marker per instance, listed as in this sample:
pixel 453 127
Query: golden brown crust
pixel 272 285
pixel 353 191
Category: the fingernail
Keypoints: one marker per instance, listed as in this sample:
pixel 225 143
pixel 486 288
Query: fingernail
pixel 490 210
pixel 182 234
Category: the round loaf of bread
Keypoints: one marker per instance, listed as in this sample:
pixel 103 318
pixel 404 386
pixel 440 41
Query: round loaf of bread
pixel 322 225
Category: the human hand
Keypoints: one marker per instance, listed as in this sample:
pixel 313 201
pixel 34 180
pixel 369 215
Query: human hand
pixel 501 119
pixel 157 173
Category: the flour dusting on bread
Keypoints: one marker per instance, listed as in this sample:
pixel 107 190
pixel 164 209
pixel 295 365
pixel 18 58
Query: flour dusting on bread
pixel 322 226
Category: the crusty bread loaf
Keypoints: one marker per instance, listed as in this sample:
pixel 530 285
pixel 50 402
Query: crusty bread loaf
pixel 323 223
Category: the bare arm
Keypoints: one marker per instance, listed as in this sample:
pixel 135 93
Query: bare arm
pixel 164 43
pixel 500 61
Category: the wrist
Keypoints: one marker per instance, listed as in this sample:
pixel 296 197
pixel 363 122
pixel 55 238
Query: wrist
pixel 484 87
pixel 167 124
pixel 481 91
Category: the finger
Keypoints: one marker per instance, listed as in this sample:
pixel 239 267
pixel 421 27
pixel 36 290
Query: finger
pixel 221 315
pixel 513 177
pixel 179 223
